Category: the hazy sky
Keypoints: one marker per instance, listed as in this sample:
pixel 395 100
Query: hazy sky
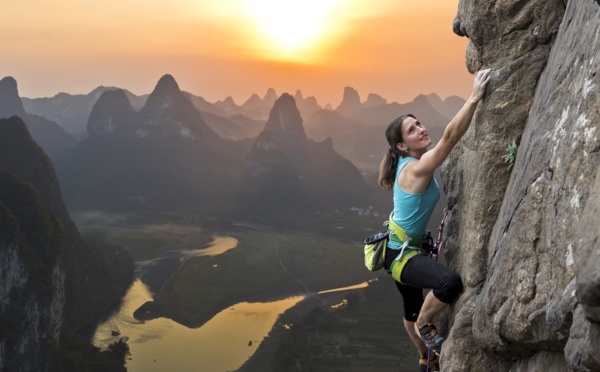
pixel 220 48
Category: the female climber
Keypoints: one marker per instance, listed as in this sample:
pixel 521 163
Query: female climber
pixel 407 169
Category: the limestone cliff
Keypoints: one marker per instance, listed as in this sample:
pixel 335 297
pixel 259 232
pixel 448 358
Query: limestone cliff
pixel 52 282
pixel 524 240
pixel 32 291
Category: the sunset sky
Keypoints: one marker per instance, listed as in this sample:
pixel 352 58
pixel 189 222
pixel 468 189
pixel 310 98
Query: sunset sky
pixel 215 49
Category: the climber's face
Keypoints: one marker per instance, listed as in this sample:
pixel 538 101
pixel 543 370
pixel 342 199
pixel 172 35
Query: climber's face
pixel 415 139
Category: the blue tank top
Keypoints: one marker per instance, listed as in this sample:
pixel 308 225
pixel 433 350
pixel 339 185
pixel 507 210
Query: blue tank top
pixel 412 211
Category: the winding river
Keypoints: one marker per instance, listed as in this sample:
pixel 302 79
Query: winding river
pixel 222 344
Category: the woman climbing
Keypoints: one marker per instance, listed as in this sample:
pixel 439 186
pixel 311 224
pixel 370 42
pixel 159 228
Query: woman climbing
pixel 407 169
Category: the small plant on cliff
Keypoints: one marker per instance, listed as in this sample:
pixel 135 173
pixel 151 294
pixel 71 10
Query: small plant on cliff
pixel 511 154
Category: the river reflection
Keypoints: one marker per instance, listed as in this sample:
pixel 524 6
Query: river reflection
pixel 222 344
pixel 219 245
pixel 356 286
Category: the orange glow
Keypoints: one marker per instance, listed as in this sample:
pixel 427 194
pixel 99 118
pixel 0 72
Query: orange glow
pixel 215 49
pixel 291 29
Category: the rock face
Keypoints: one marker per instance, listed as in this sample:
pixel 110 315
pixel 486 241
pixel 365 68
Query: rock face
pixel 522 241
pixel 32 297
pixel 52 283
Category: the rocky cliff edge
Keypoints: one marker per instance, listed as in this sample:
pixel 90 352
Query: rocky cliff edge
pixel 524 240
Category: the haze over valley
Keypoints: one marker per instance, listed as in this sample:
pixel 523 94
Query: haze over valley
pixel 199 198
pixel 146 176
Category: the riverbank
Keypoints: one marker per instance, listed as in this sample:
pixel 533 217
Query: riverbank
pixel 267 265
pixel 366 334
pixel 262 359
pixel 264 267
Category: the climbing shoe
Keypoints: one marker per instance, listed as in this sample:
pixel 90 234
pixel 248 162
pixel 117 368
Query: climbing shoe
pixel 434 363
pixel 430 337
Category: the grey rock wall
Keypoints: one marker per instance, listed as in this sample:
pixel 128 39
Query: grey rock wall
pixel 30 320
pixel 584 341
pixel 532 286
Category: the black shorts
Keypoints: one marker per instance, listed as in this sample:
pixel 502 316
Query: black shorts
pixel 420 273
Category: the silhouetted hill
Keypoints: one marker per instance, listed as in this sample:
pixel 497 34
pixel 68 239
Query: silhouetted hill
pixel 111 108
pixel 53 283
pixel 420 107
pixel 168 113
pixel 358 131
pixel 270 187
pixel 258 108
pixel 448 107
pixel 21 157
pixel 71 111
pixel 228 106
pixel 46 133
pixel 270 97
pixel 236 127
pixel 362 144
pixel 350 104
pixel 253 103
pixel 285 124
pixel 30 240
pixel 306 106
pixel 225 120
pixel 309 175
pixel 163 157
pixel 205 106
pixel 374 100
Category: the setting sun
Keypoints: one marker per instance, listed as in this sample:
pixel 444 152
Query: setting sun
pixel 291 29
pixel 236 47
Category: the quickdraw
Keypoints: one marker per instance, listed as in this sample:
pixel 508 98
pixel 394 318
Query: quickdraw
pixel 435 250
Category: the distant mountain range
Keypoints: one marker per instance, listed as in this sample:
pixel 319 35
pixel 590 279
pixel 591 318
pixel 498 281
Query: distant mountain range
pixel 287 169
pixel 277 159
pixel 171 149
pixel 72 111
pixel 163 156
pixel 356 127
pixel 48 134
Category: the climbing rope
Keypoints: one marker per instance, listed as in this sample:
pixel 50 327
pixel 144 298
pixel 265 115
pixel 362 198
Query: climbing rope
pixel 435 250
pixel 439 244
